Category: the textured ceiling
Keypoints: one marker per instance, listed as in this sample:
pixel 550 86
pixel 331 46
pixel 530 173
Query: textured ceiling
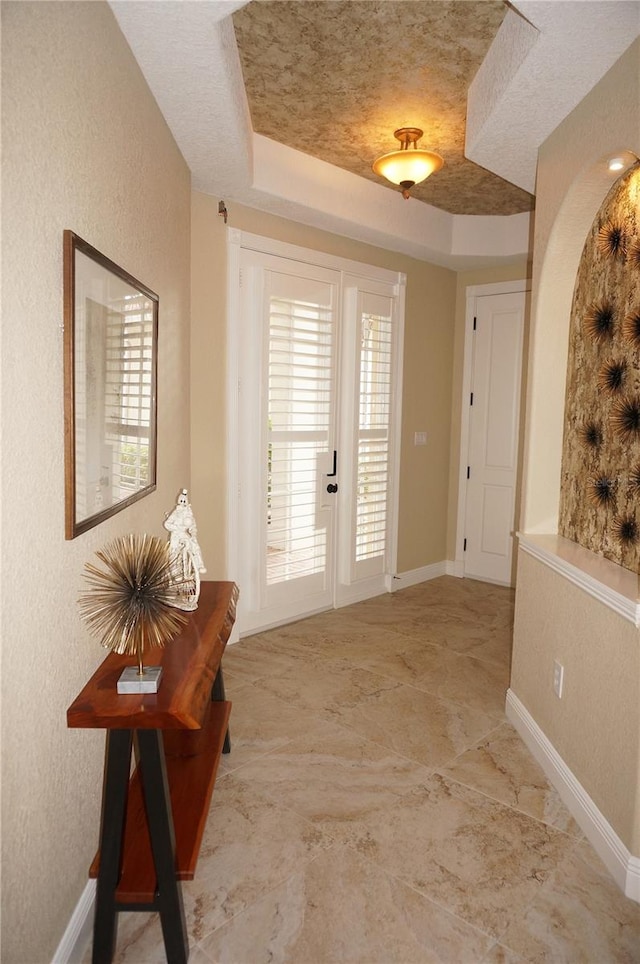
pixel 335 78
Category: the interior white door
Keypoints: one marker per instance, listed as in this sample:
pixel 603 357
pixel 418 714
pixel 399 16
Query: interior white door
pixel 492 465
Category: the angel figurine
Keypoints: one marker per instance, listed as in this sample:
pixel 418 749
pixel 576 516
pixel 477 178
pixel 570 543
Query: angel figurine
pixel 184 550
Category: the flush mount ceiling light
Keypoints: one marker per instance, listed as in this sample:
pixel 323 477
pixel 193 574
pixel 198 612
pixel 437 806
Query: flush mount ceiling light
pixel 410 165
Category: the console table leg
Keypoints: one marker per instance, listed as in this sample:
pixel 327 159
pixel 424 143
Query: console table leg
pixel 114 805
pixel 160 819
pixel 217 693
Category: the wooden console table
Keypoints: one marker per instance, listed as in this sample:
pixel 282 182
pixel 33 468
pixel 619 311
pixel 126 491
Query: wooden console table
pixel 152 822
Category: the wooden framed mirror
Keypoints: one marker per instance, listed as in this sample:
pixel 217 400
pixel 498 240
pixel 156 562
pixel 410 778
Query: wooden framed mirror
pixel 110 382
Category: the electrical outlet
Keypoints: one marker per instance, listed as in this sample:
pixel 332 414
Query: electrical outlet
pixel 558 678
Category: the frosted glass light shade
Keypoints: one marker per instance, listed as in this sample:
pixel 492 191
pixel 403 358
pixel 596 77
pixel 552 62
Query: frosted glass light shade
pixel 407 166
pixel 410 164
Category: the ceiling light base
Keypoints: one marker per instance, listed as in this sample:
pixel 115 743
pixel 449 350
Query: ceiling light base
pixel 408 136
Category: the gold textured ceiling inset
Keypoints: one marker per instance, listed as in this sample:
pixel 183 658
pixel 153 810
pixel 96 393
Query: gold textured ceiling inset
pixel 335 78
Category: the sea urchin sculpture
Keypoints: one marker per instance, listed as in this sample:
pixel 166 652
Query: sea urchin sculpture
pixel 599 321
pixel 611 240
pixel 625 419
pixel 591 435
pixel 634 254
pixel 602 491
pixel 625 529
pixel 631 328
pixel 611 377
pixel 130 604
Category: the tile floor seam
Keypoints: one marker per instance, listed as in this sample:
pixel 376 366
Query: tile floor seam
pixel 447 762
pixel 396 752
pixel 414 682
pixel 497 800
pixel 405 883
pixel 258 756
pixel 545 885
pixel 449 649
pixel 597 866
pixel 310 823
pixel 448 908
pixel 447 699
pixel 365 662
pixel 200 950
pixel 501 803
pixel 438 771
pixel 275 885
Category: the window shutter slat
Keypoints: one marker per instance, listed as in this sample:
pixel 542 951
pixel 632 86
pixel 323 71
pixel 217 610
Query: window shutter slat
pixel 299 391
pixel 373 436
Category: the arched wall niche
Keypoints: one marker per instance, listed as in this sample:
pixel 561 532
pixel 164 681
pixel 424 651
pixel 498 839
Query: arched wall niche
pixel 551 313
pixel 600 480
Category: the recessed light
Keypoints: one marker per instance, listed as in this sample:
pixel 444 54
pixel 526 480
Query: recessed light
pixel 616 164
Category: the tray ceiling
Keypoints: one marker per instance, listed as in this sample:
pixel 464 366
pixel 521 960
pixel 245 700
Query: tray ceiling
pixel 544 59
pixel 335 78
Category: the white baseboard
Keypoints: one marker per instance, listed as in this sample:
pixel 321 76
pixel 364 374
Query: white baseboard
pixel 414 576
pixel 361 590
pixel 622 865
pixel 632 889
pixel 76 937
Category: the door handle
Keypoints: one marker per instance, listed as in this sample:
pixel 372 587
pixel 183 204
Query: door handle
pixel 335 466
pixel 332 487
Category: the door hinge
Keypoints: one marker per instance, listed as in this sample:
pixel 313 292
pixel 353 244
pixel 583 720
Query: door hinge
pixel 468 471
pixel 471 399
pixel 464 546
pixel 475 322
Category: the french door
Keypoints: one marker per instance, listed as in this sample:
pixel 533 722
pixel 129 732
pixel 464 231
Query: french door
pixel 317 365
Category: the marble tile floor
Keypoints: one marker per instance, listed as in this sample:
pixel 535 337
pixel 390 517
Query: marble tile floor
pixel 378 808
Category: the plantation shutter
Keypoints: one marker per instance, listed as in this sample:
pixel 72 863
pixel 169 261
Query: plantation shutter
pixel 299 412
pixel 374 367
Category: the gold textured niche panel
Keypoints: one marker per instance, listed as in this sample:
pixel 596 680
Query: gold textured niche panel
pixel 600 485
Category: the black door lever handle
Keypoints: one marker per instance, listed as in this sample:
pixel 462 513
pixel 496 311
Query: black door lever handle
pixel 335 465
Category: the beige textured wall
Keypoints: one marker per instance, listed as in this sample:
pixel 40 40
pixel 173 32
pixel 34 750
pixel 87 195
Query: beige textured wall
pixel 84 147
pixel 208 386
pixel 429 332
pixel 426 405
pixel 595 726
pixel 465 279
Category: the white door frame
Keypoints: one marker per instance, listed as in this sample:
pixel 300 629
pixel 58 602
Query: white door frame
pixel 236 241
pixel 472 293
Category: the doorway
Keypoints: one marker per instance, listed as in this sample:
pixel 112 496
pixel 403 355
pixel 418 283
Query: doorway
pixel 318 345
pixel 489 451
